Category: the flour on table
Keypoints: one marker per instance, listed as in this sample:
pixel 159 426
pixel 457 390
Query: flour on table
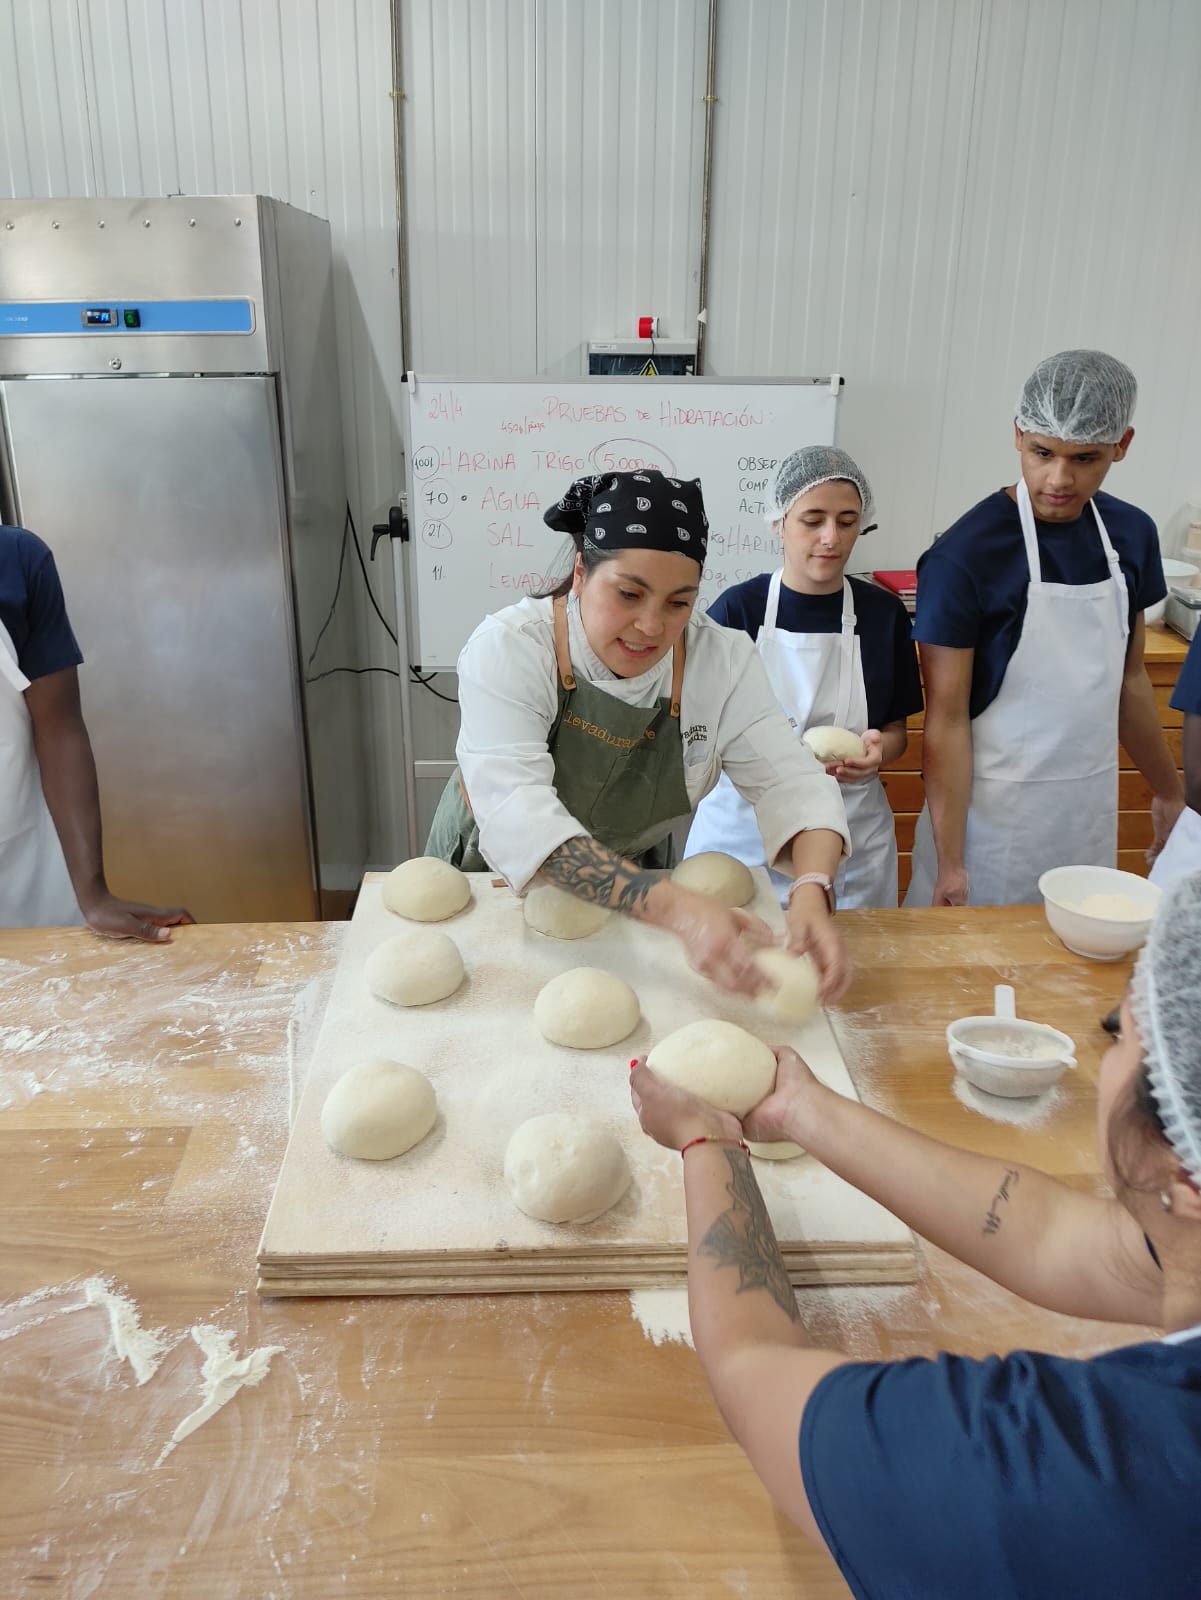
pixel 663 1314
pixel 224 1374
pixel 1029 1110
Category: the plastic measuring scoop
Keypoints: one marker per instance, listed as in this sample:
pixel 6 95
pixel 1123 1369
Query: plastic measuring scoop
pixel 1005 1055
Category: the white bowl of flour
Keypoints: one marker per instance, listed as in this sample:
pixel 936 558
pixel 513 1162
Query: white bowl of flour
pixel 1099 912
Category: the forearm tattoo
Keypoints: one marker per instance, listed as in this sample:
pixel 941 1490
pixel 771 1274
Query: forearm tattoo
pixel 743 1237
pixel 590 871
pixel 992 1218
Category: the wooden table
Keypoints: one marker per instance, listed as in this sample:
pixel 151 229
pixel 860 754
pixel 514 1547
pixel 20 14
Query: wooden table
pixel 526 1446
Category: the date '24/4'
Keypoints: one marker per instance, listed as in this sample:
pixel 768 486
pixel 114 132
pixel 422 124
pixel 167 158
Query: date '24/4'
pixel 444 406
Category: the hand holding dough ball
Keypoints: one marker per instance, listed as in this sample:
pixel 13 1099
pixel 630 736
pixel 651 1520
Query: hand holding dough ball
pixel 378 1110
pixel 414 968
pixel 586 1008
pixel 425 889
pixel 560 915
pixel 562 1168
pixel 718 876
pixel 834 744
pixel 718 1061
pixel 795 984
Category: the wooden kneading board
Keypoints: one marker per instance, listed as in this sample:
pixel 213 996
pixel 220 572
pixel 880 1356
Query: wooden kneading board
pixel 439 1219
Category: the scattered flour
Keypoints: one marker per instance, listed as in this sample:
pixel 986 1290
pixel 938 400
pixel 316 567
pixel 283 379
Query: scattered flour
pixel 224 1374
pixel 143 1348
pixel 663 1314
pixel 1029 1110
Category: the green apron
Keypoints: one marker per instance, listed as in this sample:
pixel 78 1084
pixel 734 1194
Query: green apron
pixel 619 770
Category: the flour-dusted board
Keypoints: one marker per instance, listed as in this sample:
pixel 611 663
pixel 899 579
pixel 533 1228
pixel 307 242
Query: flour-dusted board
pixel 439 1219
pixel 486 459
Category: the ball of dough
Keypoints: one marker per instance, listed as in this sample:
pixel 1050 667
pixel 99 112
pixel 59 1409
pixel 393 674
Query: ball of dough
pixel 717 875
pixel 378 1110
pixel 586 1008
pixel 834 744
pixel 426 889
pixel 562 1168
pixel 777 1150
pixel 560 915
pixel 414 968
pixel 796 984
pixel 717 1060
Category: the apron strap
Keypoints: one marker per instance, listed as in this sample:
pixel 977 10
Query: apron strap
pixel 562 651
pixel 1026 518
pixel 678 655
pixel 1115 572
pixel 846 657
pixel 463 792
pixel 772 607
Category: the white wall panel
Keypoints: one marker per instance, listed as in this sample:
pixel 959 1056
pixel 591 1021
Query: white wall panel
pixel 929 195
pixel 1081 228
pixel 841 149
pixel 290 98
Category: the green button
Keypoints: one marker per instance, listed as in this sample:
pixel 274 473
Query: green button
pixel 133 319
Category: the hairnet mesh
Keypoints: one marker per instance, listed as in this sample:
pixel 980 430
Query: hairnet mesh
pixel 1080 396
pixel 806 468
pixel 1166 1001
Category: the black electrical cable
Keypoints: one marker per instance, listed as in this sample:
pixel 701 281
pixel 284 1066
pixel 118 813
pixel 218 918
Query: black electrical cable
pixel 330 671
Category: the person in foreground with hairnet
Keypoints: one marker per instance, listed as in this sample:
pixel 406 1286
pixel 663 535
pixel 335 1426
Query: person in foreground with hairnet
pixel 838 653
pixel 1020 1476
pixel 1030 629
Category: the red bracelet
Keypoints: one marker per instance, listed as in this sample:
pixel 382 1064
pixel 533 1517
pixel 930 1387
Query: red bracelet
pixel 714 1138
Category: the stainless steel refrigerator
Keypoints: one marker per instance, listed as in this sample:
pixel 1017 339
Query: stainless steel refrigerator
pixel 171 428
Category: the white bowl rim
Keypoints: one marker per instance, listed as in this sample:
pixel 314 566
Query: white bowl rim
pixel 1104 922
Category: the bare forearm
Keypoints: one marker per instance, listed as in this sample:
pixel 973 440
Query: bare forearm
pixel 816 850
pixel 738 1288
pixel 1142 736
pixel 894 741
pixel 591 871
pixel 947 773
pixel 988 1212
pixel 68 772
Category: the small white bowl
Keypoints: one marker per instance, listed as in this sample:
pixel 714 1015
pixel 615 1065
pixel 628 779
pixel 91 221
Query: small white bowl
pixel 1097 938
pixel 1182 573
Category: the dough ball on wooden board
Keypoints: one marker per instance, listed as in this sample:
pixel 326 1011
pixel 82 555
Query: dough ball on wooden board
pixel 717 875
pixel 586 1008
pixel 721 1062
pixel 794 995
pixel 777 1150
pixel 560 915
pixel 414 968
pixel 425 889
pixel 377 1110
pixel 834 744
pixel 564 1168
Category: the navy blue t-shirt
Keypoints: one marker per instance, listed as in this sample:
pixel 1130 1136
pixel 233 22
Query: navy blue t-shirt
pixel 32 607
pixel 972 583
pixel 1186 696
pixel 890 672
pixel 1024 1477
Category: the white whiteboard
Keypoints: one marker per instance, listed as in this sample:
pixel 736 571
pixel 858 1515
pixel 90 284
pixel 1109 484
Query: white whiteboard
pixel 486 458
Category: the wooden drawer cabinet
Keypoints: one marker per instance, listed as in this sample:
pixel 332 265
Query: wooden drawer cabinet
pixel 1164 654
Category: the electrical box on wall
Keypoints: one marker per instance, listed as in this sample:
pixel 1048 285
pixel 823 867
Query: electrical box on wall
pixel 642 358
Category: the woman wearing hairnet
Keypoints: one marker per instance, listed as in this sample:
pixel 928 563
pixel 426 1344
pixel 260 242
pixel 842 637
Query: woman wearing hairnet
pixel 595 717
pixel 838 653
pixel 1030 629
pixel 1020 1477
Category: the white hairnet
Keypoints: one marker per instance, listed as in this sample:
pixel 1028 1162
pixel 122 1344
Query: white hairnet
pixel 1166 1001
pixel 806 468
pixel 1080 396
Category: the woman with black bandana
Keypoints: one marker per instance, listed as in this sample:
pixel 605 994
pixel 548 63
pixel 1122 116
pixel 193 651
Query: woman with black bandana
pixel 595 718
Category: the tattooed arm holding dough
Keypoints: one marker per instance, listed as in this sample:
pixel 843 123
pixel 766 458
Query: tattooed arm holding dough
pixel 1024 1475
pixel 595 717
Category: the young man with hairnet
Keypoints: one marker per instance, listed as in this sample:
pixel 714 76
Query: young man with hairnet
pixel 1030 631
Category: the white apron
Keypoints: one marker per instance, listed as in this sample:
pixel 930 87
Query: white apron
pixel 35 888
pixel 1045 752
pixel 818 680
pixel 1182 853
